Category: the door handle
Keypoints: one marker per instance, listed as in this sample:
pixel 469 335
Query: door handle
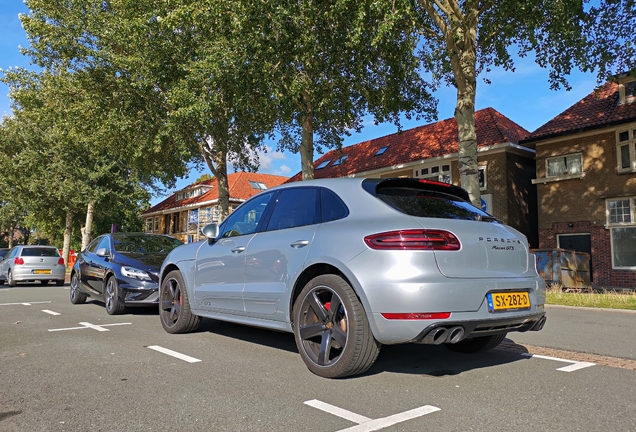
pixel 299 243
pixel 238 249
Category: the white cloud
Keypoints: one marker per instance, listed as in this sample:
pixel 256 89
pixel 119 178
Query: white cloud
pixel 267 158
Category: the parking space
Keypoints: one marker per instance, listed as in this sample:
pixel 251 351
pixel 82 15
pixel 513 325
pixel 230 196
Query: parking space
pixel 76 368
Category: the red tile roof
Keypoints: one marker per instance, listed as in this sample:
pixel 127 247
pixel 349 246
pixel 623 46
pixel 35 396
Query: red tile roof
pixel 238 184
pixel 423 142
pixel 598 109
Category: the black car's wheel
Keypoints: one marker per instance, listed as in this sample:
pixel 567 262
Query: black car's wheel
pixel 174 306
pixel 10 281
pixel 477 344
pixel 77 297
pixel 331 329
pixel 114 306
pixel 44 282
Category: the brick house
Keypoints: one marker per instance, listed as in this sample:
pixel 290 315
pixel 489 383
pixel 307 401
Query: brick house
pixel 183 213
pixel 586 181
pixel 431 151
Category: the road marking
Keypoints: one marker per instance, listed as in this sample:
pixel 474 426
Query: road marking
pixel 86 325
pixel 576 365
pixel 174 354
pixel 50 312
pixel 24 303
pixel 366 424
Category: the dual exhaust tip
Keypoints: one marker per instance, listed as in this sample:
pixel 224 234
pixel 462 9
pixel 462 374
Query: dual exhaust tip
pixel 440 335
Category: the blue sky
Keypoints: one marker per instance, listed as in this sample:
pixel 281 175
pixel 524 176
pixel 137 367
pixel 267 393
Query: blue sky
pixel 524 96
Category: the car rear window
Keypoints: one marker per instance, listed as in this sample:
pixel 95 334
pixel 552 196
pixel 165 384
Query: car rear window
pixel 426 203
pixel 40 252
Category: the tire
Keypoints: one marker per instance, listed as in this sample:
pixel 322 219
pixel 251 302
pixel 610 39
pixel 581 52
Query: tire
pixel 174 306
pixel 114 305
pixel 477 344
pixel 10 281
pixel 331 329
pixel 77 297
pixel 44 282
pixel 59 282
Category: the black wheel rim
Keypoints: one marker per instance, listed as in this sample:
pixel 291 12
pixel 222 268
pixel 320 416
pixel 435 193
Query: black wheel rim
pixel 323 326
pixel 74 287
pixel 110 294
pixel 171 302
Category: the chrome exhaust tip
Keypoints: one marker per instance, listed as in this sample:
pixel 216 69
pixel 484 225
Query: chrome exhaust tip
pixel 436 336
pixel 539 325
pixel 455 334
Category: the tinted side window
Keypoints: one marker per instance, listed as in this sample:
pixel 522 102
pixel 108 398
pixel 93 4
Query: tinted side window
pixel 295 207
pixel 92 246
pixel 244 220
pixel 332 207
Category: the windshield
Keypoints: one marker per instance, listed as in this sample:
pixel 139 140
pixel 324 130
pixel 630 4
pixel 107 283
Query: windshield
pixel 145 243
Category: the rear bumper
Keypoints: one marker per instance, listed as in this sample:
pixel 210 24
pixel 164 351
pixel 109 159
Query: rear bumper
pixel 23 275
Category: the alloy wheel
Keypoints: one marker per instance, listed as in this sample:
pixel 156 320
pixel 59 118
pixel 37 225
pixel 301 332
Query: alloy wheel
pixel 171 301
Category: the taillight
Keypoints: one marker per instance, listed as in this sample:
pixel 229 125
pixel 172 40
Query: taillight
pixel 414 240
pixel 18 261
pixel 60 261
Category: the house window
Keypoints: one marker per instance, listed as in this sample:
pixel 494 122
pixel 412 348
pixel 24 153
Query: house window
pixel 482 177
pixel 149 224
pixel 564 165
pixel 630 92
pixel 323 164
pixel 156 228
pixel 625 149
pixel 340 160
pixel 621 220
pixel 258 185
pixel 441 173
pixel 381 151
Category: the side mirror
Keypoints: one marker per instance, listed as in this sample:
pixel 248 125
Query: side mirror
pixel 211 232
pixel 102 252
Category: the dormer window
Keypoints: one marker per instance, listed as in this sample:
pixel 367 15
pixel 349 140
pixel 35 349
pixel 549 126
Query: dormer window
pixel 381 151
pixel 627 91
pixel 323 164
pixel 340 160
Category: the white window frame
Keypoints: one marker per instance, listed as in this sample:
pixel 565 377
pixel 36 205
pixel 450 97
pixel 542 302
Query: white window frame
pixel 156 225
pixel 566 174
pixel 438 176
pixel 631 143
pixel 149 224
pixel 631 223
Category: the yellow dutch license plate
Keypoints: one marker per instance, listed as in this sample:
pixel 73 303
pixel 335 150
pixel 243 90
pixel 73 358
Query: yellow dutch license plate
pixel 41 271
pixel 505 301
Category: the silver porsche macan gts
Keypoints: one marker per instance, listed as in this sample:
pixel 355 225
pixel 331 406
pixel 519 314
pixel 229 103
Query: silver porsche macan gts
pixel 349 264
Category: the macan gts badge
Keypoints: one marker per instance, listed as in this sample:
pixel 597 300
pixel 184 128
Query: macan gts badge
pixel 349 264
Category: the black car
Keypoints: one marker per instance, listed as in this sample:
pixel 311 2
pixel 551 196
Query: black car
pixel 121 269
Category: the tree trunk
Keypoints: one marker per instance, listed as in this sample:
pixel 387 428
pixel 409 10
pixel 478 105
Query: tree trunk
pixel 10 235
pixel 224 189
pixel 86 232
pixel 68 231
pixel 307 142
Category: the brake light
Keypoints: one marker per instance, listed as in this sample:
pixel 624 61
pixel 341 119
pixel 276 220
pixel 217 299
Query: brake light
pixel 18 261
pixel 60 261
pixel 414 240
pixel 416 316
pixel 438 183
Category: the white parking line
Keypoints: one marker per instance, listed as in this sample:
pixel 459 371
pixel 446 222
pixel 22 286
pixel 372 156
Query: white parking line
pixel 366 424
pixel 51 312
pixel 174 354
pixel 86 325
pixel 576 365
pixel 24 303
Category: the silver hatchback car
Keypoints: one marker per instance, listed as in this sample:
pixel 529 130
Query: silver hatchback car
pixel 26 263
pixel 349 264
